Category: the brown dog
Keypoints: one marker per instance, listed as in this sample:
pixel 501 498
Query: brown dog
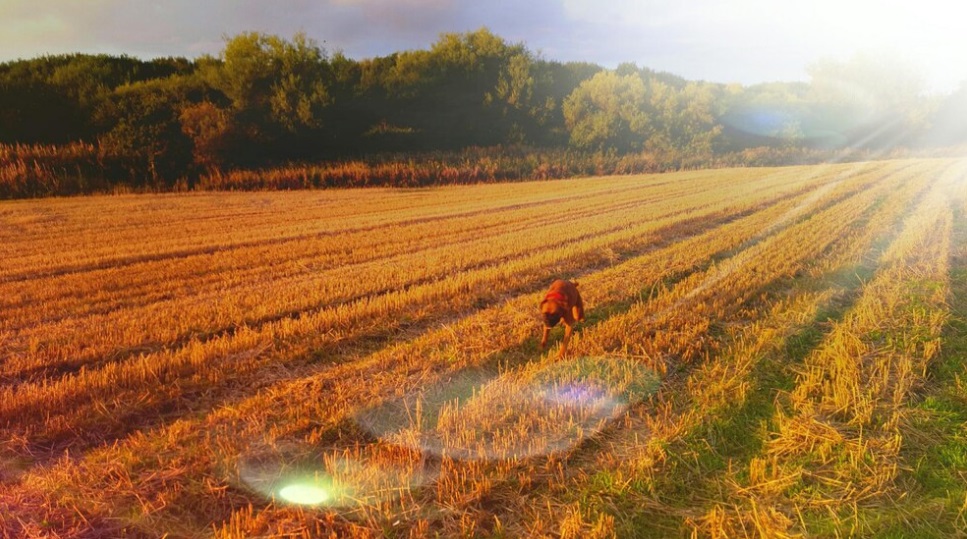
pixel 562 302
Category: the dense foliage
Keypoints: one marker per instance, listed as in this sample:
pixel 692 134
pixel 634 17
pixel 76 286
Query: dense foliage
pixel 268 102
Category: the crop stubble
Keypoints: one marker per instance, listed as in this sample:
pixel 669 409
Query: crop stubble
pixel 150 342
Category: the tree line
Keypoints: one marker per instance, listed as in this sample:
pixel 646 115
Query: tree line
pixel 266 101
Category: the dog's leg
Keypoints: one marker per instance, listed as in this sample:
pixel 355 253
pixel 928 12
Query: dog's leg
pixel 568 329
pixel 547 331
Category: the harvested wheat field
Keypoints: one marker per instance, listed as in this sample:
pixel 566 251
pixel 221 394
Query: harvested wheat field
pixel 767 352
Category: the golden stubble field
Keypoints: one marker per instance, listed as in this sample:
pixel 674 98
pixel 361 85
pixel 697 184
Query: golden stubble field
pixel 767 352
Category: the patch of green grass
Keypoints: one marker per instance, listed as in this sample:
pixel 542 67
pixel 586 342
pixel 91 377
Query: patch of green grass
pixel 905 518
pixel 936 449
pixel 941 467
pixel 939 461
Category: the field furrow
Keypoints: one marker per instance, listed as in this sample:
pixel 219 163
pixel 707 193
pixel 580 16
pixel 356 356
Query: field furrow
pixel 61 245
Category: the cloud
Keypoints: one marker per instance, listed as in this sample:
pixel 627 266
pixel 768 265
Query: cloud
pixel 749 40
pixel 638 13
pixel 740 40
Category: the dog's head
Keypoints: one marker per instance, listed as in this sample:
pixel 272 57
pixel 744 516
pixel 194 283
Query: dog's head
pixel 551 318
pixel 551 312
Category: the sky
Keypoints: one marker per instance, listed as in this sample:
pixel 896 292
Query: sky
pixel 729 41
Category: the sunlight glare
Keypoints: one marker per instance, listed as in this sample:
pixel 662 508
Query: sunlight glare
pixel 304 493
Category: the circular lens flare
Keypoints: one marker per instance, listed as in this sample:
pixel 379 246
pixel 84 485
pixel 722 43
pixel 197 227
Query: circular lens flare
pixel 538 410
pixel 300 473
pixel 304 494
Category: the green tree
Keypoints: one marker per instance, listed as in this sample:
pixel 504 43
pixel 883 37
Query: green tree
pixel 209 128
pixel 145 129
pixel 54 98
pixel 769 114
pixel 684 119
pixel 608 111
pixel 554 83
pixel 480 87
pixel 468 89
pixel 274 82
pixel 523 97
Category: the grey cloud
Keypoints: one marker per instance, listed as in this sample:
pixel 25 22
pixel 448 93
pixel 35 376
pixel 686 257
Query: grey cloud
pixel 743 41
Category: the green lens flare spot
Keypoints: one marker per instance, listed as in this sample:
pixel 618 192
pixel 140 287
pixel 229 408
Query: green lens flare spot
pixel 304 494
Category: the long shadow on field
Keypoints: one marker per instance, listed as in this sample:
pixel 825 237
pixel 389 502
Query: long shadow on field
pixel 730 439
pixel 733 436
pixel 938 465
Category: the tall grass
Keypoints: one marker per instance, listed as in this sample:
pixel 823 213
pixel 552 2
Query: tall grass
pixel 29 171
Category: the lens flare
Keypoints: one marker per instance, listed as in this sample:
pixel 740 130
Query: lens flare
pixel 299 473
pixel 540 410
pixel 477 415
pixel 304 494
pixel 579 396
pixel 762 121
